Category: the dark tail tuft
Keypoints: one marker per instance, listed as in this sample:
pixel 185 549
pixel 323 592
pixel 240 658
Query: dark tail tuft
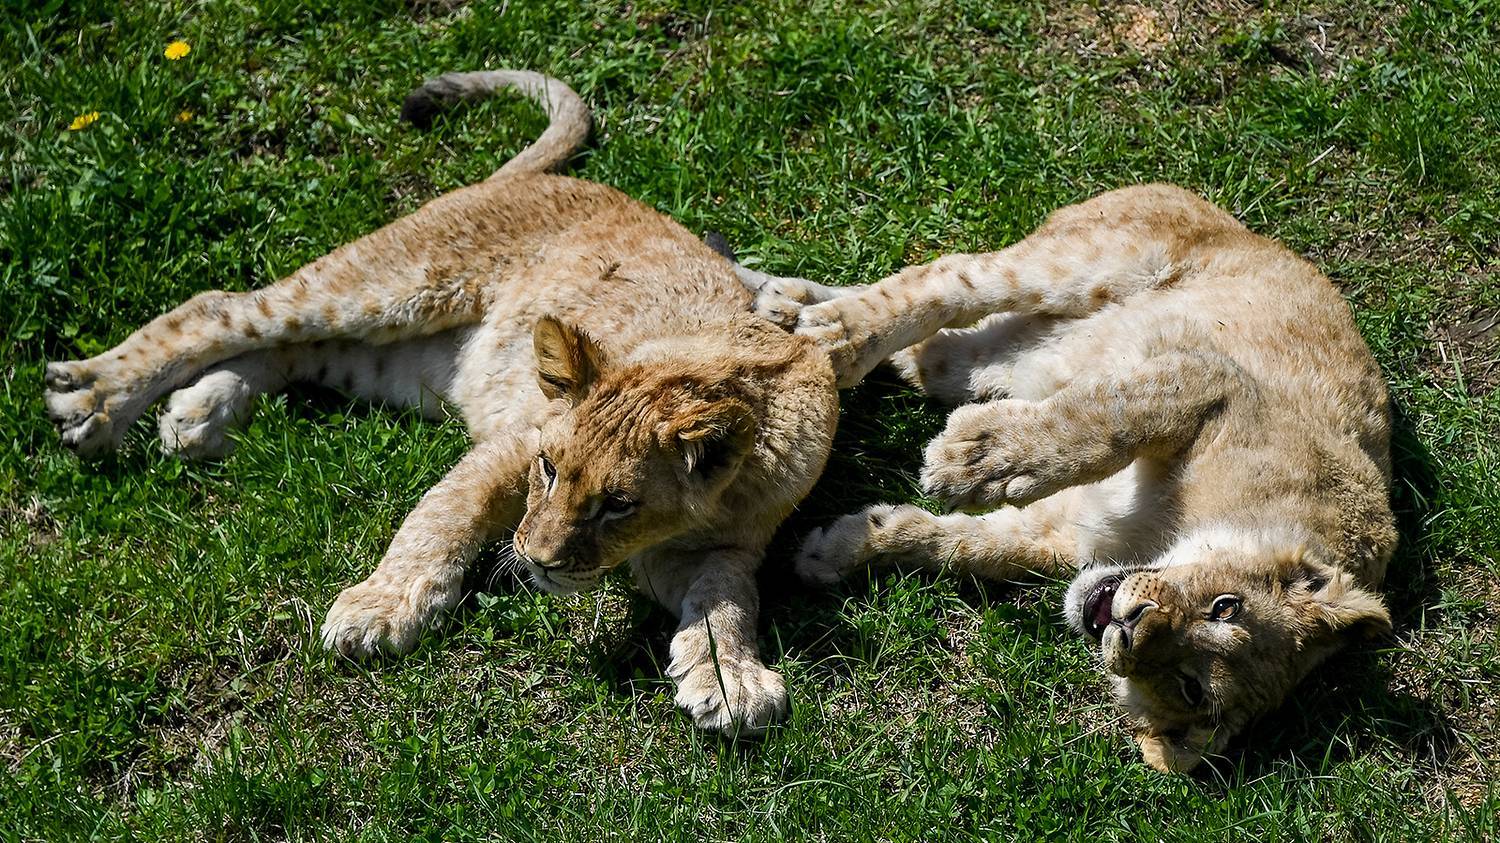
pixel 430 98
pixel 419 108
pixel 719 243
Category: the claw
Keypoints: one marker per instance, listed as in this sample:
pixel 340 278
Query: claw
pixel 90 437
pixel 57 377
pixel 64 376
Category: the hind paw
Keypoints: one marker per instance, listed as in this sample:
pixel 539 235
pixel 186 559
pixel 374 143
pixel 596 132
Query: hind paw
pixel 76 405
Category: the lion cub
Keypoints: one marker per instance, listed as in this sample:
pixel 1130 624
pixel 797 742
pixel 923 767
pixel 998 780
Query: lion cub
pixel 1180 410
pixel 624 402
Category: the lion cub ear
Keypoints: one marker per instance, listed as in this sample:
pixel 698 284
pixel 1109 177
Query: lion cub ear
pixel 568 361
pixel 712 435
pixel 1329 599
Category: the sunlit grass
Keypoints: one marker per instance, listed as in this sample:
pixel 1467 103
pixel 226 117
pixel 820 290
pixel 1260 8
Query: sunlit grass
pixel 158 673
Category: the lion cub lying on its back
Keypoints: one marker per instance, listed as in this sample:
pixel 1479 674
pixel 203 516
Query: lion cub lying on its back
pixel 623 400
pixel 1180 409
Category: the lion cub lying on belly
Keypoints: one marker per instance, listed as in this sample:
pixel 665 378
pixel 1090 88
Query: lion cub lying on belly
pixel 623 400
pixel 1180 409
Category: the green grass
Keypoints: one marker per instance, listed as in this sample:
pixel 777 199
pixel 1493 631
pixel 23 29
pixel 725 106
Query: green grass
pixel 158 673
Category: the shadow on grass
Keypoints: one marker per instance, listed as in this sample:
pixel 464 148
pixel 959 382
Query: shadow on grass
pixel 1350 696
pixel 877 454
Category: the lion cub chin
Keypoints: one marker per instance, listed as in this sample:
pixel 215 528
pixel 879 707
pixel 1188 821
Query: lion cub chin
pixel 1152 396
pixel 625 404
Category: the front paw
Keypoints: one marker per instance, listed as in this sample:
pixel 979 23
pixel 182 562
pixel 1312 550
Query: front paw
pixel 829 554
pixel 198 418
pixel 367 619
pixel 838 325
pixel 738 698
pixel 990 455
pixel 781 300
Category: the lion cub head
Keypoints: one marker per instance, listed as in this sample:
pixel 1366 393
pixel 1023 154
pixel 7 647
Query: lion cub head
pixel 1215 634
pixel 639 453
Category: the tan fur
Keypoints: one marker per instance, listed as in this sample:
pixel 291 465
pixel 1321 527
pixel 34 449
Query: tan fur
pixel 1179 408
pixel 561 318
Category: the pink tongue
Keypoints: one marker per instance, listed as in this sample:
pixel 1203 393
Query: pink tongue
pixel 1102 615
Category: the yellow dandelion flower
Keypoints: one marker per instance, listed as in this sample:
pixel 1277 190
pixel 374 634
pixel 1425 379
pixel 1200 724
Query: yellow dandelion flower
pixel 184 115
pixel 83 121
pixel 176 50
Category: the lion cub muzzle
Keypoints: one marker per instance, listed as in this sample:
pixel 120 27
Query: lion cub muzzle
pixel 555 555
pixel 1143 617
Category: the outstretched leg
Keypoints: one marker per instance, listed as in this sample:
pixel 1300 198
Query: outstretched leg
pixel 423 570
pixel 380 288
pixel 1015 452
pixel 413 373
pixel 721 682
pixel 954 366
pixel 1008 544
pixel 1085 257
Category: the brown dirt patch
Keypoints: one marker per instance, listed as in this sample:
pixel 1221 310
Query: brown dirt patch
pixel 1316 38
pixel 1471 344
pixel 1088 29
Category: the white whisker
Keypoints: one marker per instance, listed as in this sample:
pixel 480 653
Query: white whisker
pixel 508 561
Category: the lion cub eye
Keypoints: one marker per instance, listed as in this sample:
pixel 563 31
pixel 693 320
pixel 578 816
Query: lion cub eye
pixel 1226 607
pixel 616 505
pixel 549 472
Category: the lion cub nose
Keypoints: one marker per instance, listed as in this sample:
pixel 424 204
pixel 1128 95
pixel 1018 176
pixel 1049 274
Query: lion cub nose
pixel 1131 618
pixel 542 559
pixel 548 564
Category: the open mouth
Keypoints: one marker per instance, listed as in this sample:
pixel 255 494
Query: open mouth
pixel 1096 607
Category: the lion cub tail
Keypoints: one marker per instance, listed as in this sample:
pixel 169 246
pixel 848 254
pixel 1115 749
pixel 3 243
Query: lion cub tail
pixel 570 117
